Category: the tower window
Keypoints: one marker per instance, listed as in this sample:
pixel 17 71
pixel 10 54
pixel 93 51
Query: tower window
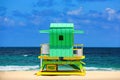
pixel 60 37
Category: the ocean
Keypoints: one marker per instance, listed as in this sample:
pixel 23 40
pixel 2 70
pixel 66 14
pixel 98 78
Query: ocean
pixel 26 58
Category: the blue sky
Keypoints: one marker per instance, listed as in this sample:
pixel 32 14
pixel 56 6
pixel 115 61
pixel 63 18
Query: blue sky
pixel 21 20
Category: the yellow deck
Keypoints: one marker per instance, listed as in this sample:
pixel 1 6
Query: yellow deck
pixel 61 73
pixel 65 58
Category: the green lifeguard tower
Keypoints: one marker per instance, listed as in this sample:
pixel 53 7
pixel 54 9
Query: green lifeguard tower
pixel 61 51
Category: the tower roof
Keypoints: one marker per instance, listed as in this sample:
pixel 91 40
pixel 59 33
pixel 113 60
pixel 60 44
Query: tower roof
pixel 62 25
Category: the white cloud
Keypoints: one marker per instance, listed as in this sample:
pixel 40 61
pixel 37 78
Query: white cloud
pixel 105 27
pixel 75 12
pixel 36 20
pixel 86 21
pixel 8 21
pixel 117 28
pixel 22 24
pixel 111 13
pixel 118 17
pixel 57 19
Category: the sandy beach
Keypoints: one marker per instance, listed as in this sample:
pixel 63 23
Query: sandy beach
pixel 29 75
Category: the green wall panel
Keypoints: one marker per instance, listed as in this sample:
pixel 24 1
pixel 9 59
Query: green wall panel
pixel 61 48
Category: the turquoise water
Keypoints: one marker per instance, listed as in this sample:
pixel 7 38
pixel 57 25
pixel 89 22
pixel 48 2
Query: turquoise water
pixel 25 58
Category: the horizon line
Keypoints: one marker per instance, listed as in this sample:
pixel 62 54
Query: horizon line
pixel 40 46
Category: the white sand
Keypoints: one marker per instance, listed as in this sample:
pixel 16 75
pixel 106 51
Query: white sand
pixel 29 75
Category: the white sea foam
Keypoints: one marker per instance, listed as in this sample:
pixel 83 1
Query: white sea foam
pixel 24 68
pixel 18 68
pixel 99 69
pixel 25 55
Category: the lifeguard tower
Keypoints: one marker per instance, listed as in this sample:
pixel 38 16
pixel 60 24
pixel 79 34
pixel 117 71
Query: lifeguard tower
pixel 61 51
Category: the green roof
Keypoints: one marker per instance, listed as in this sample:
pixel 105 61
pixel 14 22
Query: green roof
pixel 61 25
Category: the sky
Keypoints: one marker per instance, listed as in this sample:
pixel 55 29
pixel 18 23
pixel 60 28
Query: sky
pixel 21 20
